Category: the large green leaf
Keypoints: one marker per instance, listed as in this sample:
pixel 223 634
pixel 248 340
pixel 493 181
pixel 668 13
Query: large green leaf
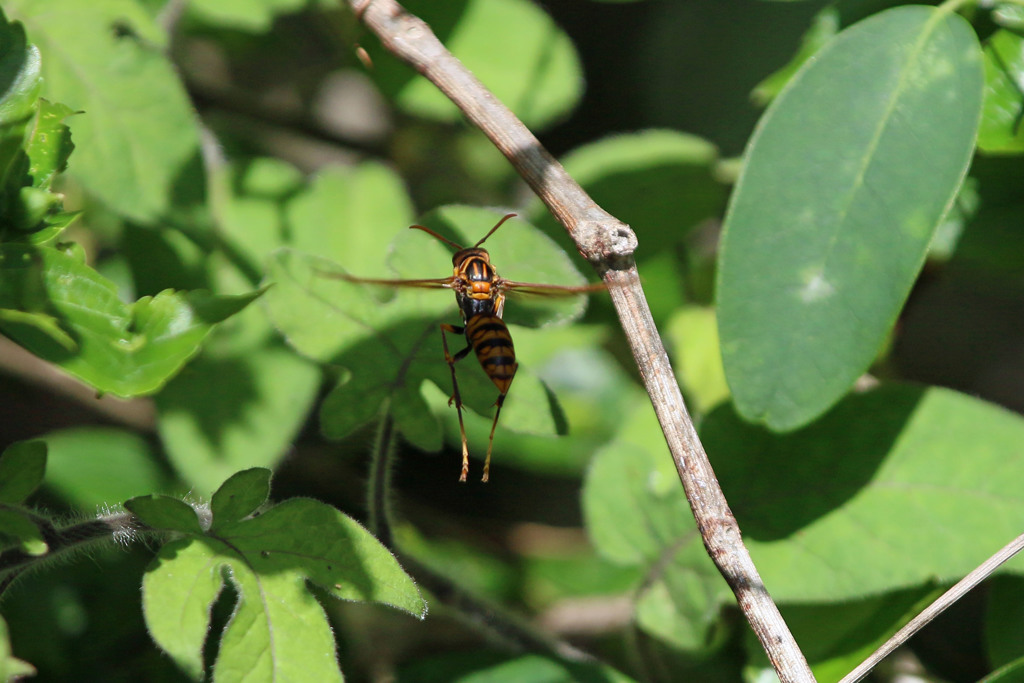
pixel 875 497
pixel 513 46
pixel 846 179
pixel 137 131
pixel 278 631
pixel 122 349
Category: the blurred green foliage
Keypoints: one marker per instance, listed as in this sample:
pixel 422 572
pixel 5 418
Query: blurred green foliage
pixel 182 183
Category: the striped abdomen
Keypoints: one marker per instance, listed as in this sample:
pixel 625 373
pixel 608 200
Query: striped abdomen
pixel 489 337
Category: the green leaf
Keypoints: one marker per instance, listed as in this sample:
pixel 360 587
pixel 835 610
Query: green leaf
pixel 22 467
pixel 245 15
pixel 350 215
pixel 165 513
pixel 278 632
pixel 19 70
pixel 240 496
pixel 223 413
pixel 49 143
pixel 1001 128
pixel 18 529
pixel 121 349
pixel 138 131
pixel 512 46
pixel 96 466
pixel 846 179
pixel 876 496
pixel 19 92
pixel 178 591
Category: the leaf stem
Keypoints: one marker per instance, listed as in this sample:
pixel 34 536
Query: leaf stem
pixel 379 503
pixel 119 527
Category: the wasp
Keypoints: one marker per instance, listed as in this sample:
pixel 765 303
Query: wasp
pixel 480 295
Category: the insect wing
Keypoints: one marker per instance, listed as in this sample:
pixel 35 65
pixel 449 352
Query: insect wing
pixel 550 290
pixel 428 283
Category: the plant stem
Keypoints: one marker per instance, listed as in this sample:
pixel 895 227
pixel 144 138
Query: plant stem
pixel 379 503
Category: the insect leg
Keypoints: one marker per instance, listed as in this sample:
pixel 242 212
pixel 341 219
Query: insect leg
pixel 490 442
pixel 456 397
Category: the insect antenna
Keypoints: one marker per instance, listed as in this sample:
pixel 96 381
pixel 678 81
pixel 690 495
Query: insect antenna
pixel 443 239
pixel 505 218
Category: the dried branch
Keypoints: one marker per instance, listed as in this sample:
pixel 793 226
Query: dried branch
pixel 608 244
pixel 943 602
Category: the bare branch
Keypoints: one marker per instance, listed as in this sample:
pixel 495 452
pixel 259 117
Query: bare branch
pixel 943 602
pixel 608 244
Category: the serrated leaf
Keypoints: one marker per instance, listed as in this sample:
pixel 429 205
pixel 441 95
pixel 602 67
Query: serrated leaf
pixel 277 631
pixel 513 46
pixel 165 513
pixel 22 467
pixel 240 496
pixel 335 552
pixel 845 181
pixel 49 143
pixel 138 131
pixel 121 349
pixel 96 466
pixel 225 413
pixel 178 591
pixel 1002 116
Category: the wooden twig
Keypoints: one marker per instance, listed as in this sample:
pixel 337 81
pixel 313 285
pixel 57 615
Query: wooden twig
pixel 608 244
pixel 944 601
